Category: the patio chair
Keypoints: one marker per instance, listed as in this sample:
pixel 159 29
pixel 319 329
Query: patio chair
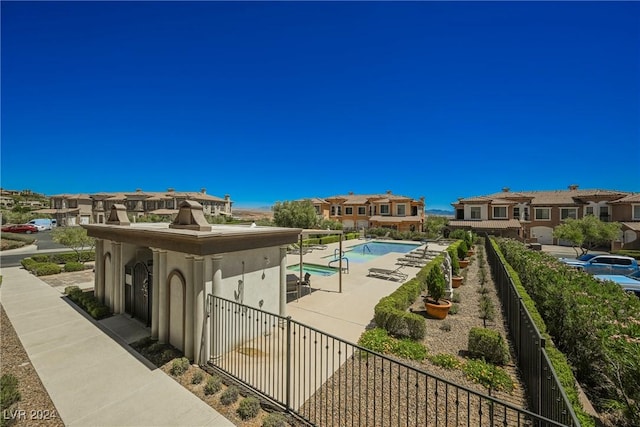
pixel 386 236
pixel 388 274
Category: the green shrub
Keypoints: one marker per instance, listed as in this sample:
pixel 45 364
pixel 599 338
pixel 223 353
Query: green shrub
pixel 73 266
pixel 9 393
pixel 197 377
pixel 213 385
pixel 46 269
pixel 230 395
pixel 456 297
pixel 447 361
pixel 87 302
pixel 179 366
pixel 275 419
pixel 455 308
pixel 249 408
pixel 377 340
pixel 489 345
pixel 409 349
pixel 462 250
pixel 28 263
pixel 453 254
pixel 445 326
pixel 436 283
pixel 490 376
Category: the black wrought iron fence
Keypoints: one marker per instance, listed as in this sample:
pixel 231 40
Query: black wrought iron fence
pixel 545 394
pixel 327 381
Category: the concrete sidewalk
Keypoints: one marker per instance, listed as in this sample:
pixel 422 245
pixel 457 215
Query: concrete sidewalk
pixel 91 377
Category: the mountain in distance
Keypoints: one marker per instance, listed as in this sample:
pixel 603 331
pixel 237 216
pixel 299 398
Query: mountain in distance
pixel 440 212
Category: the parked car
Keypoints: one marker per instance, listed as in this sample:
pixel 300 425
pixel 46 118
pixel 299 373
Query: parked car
pixel 606 264
pixel 43 223
pixel 584 257
pixel 629 283
pixel 20 228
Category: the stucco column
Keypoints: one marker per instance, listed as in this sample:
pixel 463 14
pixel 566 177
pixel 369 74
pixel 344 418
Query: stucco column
pixel 98 281
pixel 283 282
pixel 189 314
pixel 198 309
pixel 216 290
pixel 155 295
pixel 217 275
pixel 163 303
pixel 118 282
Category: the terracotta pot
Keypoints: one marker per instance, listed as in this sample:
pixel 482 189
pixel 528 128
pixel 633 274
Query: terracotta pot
pixel 437 311
pixel 463 263
pixel 470 253
pixel 456 281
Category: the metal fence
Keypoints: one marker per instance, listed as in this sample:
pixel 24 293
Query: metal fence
pixel 327 381
pixel 544 391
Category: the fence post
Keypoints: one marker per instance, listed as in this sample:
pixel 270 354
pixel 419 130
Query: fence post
pixel 288 368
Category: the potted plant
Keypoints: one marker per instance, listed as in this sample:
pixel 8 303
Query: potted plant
pixel 436 306
pixel 462 254
pixel 456 278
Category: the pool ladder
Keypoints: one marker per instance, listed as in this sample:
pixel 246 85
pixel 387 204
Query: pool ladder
pixel 344 269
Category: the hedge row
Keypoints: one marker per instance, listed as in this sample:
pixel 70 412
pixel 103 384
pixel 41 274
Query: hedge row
pixel 325 240
pixel 595 324
pixel 65 257
pixel 47 264
pixel 87 302
pixel 391 311
pixel 556 357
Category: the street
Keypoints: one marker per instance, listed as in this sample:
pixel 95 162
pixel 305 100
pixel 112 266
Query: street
pixel 43 244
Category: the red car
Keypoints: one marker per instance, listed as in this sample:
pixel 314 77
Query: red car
pixel 20 228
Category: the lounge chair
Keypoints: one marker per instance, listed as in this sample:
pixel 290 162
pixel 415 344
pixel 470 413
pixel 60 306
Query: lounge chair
pixel 295 249
pixel 386 236
pixel 384 273
pixel 412 262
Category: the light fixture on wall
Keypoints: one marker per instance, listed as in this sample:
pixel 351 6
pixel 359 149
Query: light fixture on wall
pixel 266 263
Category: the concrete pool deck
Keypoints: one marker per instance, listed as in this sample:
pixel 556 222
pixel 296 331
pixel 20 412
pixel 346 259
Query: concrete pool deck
pixel 347 314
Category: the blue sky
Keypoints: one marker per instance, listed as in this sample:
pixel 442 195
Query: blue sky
pixel 273 101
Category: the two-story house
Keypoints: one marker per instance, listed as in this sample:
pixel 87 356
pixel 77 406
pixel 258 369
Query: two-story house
pixel 76 209
pixel 532 215
pixel 362 211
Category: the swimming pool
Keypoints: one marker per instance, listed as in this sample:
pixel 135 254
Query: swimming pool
pixel 314 269
pixel 366 252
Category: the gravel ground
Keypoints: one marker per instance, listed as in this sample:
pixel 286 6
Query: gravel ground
pixel 35 407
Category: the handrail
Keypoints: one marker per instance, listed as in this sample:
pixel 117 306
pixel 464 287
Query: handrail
pixel 338 259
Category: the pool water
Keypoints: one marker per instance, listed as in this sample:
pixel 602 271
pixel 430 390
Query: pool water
pixel 314 269
pixel 366 252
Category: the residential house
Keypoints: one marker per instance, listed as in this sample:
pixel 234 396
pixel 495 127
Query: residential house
pixel 532 215
pixel 358 211
pixel 75 209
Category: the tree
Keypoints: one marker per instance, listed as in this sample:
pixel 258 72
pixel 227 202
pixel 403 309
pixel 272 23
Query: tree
pixel 75 238
pixel 295 214
pixel 587 233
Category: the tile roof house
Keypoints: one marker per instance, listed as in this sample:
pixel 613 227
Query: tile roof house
pixel 75 209
pixel 532 215
pixel 358 211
